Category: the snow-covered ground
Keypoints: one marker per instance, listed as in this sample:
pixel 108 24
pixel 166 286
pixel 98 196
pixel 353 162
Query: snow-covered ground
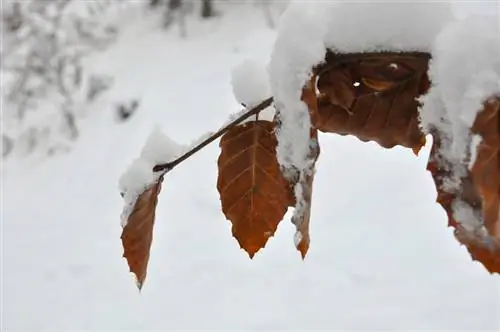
pixel 381 256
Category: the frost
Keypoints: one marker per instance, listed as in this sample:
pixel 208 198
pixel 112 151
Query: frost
pixel 465 72
pixel 158 149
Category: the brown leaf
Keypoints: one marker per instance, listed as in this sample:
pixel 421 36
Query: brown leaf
pixel 253 192
pixel 480 189
pixel 137 235
pixel 338 86
pixel 302 223
pixel 383 106
pixel 302 215
pixel 486 169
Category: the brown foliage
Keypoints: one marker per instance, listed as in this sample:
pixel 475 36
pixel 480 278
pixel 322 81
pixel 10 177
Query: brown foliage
pixel 480 189
pixel 372 97
pixel 302 220
pixel 137 235
pixel 253 192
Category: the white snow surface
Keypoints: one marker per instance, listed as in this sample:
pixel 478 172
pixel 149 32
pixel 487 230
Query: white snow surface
pixel 381 256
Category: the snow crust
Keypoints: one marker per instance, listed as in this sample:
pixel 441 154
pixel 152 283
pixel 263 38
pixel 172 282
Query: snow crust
pixel 158 149
pixel 465 73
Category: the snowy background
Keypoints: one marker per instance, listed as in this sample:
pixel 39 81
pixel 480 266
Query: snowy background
pixel 381 256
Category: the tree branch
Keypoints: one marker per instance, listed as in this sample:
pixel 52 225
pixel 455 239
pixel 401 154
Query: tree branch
pixel 253 111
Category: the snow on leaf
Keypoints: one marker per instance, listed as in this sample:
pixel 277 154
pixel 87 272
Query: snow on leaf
pixel 461 109
pixel 158 149
pixel 308 29
pixel 137 234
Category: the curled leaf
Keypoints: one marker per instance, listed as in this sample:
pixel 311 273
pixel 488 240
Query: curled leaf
pixel 137 234
pixel 479 190
pixel 253 192
pixel 383 107
pixel 302 215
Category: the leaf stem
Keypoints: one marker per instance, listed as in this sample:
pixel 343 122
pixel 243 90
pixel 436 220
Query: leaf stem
pixel 253 111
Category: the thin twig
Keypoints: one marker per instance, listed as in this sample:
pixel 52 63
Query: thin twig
pixel 253 111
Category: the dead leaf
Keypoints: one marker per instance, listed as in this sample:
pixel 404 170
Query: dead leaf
pixel 383 108
pixel 338 86
pixel 253 192
pixel 302 217
pixel 480 189
pixel 137 235
pixel 486 169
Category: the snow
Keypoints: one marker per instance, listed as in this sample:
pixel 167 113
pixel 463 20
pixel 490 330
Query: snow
pixel 465 73
pixel 158 149
pixel 474 144
pixel 308 29
pixel 250 81
pixel 381 256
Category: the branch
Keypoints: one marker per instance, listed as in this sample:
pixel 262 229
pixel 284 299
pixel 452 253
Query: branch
pixel 253 111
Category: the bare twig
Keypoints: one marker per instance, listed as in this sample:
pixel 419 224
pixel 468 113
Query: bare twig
pixel 253 111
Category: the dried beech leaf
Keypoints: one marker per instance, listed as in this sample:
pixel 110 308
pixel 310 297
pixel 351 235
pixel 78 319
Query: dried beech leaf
pixel 303 238
pixel 480 189
pixel 137 234
pixel 253 192
pixel 384 108
pixel 377 85
pixel 486 168
pixel 302 215
pixel 338 86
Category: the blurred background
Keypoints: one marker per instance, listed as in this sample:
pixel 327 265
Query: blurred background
pixel 82 85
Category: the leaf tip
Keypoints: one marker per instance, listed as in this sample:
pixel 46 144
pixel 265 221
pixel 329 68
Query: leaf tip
pixel 251 251
pixel 302 243
pixel 303 248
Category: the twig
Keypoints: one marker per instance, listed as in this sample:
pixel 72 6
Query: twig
pixel 253 111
